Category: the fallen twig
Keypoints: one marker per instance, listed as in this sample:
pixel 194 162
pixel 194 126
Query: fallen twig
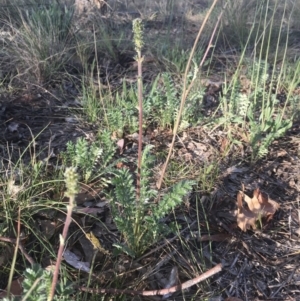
pixel 21 247
pixel 161 292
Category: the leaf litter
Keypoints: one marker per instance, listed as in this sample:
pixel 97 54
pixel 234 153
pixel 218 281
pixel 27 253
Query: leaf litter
pixel 259 206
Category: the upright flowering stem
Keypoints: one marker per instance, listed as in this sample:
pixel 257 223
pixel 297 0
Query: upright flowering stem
pixel 71 179
pixel 137 26
pixel 138 42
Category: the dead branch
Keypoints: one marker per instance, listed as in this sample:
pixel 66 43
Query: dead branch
pixel 161 292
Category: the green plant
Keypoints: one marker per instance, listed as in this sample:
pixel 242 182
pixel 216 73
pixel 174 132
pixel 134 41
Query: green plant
pixel 42 41
pixel 116 111
pixel 110 38
pixel 268 129
pixel 123 114
pixel 176 57
pixel 188 84
pixel 91 106
pixel 136 213
pixel 92 160
pixel 24 181
pixel 256 110
pixel 140 220
pixel 251 98
pixel 37 283
pixel 235 28
pixel 208 175
pixel 246 91
pixel 162 101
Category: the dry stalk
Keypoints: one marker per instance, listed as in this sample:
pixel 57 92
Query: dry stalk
pixel 60 251
pixel 12 270
pixel 71 179
pixel 161 292
pixel 21 247
pixel 186 89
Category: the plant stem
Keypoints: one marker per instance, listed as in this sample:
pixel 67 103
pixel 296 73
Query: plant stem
pixel 140 97
pixel 71 179
pixel 186 89
pixel 61 248
pixel 12 270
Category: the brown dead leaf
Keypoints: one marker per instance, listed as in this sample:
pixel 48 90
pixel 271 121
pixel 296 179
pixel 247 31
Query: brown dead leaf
pixel 245 84
pixel 225 143
pixel 245 218
pixel 233 299
pixel 259 206
pixel 16 288
pixel 120 144
pixel 48 227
